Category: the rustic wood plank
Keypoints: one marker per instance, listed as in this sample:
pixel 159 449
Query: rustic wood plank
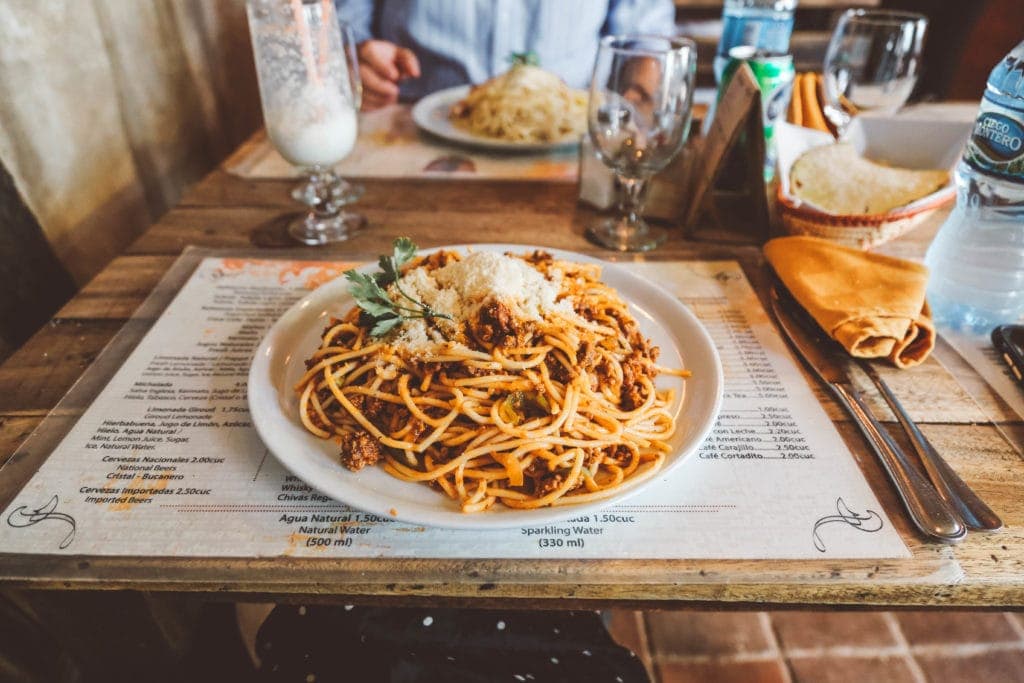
pixel 928 392
pixel 119 288
pixel 994 469
pixel 265 226
pixel 222 189
pixel 38 374
pixel 14 429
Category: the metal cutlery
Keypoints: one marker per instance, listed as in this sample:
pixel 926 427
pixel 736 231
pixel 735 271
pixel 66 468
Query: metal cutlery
pixel 964 501
pixel 827 360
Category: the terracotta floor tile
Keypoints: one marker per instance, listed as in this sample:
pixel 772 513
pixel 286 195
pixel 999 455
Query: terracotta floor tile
pixel 705 633
pixel 1019 616
pixel 850 670
pixel 769 671
pixel 935 628
pixel 997 666
pixel 806 630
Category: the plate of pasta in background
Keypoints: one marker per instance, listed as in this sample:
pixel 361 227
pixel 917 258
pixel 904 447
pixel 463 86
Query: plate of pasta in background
pixel 525 109
pixel 484 386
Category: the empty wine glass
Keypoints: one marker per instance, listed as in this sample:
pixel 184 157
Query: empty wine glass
pixel 872 63
pixel 641 98
pixel 310 91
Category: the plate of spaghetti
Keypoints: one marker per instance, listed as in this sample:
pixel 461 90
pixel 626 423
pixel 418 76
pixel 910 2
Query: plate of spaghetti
pixel 523 109
pixel 485 386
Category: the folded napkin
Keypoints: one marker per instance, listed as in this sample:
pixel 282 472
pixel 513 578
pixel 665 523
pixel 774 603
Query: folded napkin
pixel 871 304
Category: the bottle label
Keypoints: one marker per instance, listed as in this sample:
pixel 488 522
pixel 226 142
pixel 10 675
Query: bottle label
pixel 998 137
pixel 769 33
pixel 997 144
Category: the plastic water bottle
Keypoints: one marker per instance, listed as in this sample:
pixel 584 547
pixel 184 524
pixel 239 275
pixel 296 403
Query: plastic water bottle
pixel 763 24
pixel 977 259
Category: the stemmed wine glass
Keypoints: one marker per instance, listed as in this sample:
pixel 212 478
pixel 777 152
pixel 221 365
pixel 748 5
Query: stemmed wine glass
pixel 310 91
pixel 641 98
pixel 872 63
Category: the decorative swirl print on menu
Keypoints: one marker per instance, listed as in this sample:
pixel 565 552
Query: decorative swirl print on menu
pixel 23 516
pixel 868 523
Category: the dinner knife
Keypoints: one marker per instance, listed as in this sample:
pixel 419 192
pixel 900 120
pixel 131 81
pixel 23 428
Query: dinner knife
pixel 826 359
pixel 954 490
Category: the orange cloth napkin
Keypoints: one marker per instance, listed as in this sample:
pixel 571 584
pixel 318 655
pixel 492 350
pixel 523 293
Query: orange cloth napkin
pixel 872 304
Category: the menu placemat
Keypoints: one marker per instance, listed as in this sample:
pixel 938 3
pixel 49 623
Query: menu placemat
pixel 166 462
pixel 391 146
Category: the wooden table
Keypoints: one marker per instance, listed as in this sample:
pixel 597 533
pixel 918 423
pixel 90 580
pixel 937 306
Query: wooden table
pixel 226 211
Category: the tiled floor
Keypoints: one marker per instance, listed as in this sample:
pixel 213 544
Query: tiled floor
pixel 825 647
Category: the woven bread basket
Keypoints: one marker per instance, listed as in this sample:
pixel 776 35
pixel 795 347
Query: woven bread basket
pixel 859 231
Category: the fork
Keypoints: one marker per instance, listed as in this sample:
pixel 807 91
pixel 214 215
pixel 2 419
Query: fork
pixel 951 488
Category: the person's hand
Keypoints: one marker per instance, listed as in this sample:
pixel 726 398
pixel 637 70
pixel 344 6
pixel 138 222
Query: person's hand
pixel 381 66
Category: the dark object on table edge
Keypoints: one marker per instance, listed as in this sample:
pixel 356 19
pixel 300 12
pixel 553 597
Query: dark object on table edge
pixel 1009 341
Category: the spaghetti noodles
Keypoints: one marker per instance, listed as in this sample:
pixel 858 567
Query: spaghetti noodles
pixel 524 104
pixel 537 389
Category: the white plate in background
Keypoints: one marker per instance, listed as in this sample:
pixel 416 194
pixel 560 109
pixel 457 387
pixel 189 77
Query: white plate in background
pixel 432 115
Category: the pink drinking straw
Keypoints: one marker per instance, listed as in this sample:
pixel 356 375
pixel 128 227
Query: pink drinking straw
pixel 326 9
pixel 307 42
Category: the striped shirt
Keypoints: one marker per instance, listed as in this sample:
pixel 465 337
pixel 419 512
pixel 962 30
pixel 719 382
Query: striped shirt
pixel 469 41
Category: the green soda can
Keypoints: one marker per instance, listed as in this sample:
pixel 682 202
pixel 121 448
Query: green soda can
pixel 774 74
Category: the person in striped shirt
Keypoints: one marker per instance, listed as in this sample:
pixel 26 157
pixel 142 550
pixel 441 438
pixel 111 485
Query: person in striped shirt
pixel 410 48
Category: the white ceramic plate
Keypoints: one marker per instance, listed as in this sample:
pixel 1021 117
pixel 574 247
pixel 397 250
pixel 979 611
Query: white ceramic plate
pixel 278 365
pixel 431 114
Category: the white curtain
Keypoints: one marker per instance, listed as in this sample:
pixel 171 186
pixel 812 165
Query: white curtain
pixel 109 108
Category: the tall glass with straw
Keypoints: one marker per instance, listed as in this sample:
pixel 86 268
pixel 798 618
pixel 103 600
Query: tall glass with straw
pixel 310 91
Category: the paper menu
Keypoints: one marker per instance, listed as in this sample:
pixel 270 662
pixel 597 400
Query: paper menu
pixel 167 445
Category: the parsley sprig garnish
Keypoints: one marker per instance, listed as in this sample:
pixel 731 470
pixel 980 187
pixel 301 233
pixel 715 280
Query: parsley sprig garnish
pixel 524 59
pixel 369 291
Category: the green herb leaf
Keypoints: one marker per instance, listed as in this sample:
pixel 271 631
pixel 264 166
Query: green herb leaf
pixel 376 309
pixel 388 272
pixel 524 59
pixel 370 295
pixel 385 325
pixel 404 251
